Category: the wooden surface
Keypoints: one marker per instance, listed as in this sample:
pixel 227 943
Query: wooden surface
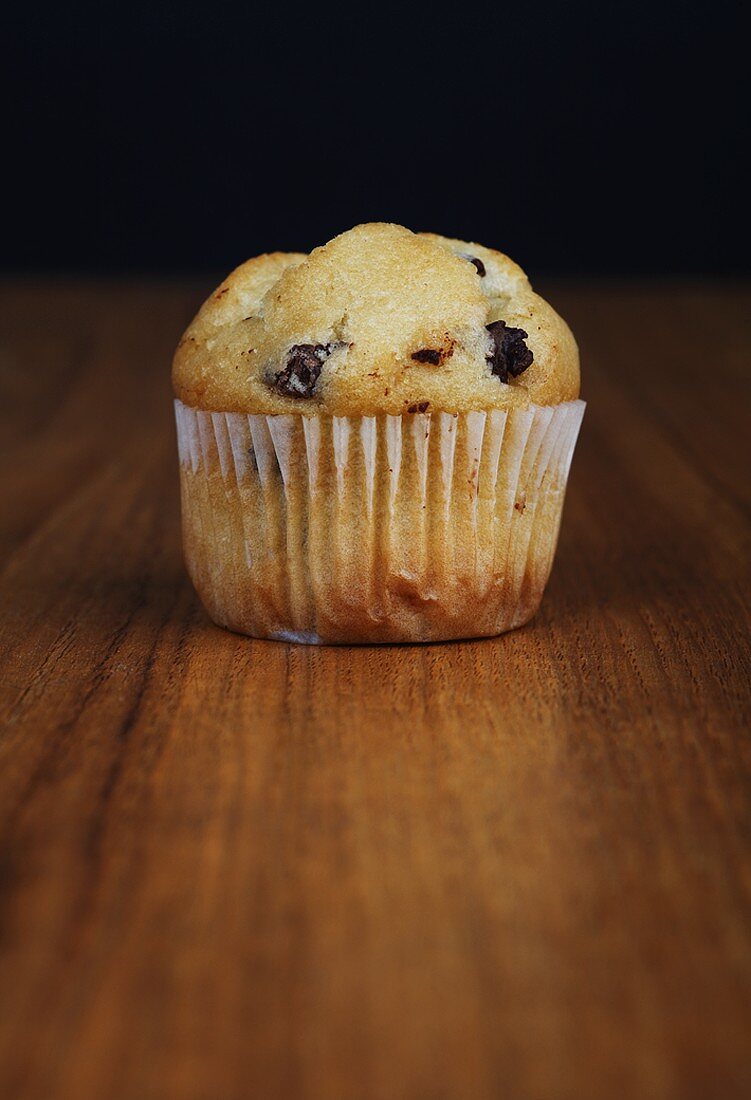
pixel 497 869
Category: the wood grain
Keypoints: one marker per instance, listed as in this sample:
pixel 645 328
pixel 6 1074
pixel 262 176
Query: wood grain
pixel 508 868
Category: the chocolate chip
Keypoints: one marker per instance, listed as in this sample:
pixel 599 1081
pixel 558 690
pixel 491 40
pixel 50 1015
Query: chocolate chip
pixel 421 407
pixel 434 356
pixel 304 362
pixel 510 355
pixel 477 263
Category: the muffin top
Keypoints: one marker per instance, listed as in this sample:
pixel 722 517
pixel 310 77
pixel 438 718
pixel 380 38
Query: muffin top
pixel 379 320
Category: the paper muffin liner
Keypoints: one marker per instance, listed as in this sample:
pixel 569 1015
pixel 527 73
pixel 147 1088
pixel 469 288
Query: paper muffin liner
pixel 420 527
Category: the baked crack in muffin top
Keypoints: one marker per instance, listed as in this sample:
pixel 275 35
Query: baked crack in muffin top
pixel 379 320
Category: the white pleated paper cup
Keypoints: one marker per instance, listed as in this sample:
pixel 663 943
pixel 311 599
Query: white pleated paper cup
pixel 414 528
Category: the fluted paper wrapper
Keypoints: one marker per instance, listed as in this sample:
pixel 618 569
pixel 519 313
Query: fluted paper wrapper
pixel 420 527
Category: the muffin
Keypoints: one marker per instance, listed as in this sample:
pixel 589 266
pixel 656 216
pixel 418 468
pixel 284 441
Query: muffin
pixel 374 441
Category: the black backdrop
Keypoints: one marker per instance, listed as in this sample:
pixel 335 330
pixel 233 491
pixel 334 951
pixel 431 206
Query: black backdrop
pixel 582 137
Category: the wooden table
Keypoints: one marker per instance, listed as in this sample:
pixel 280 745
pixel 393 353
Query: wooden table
pixel 515 868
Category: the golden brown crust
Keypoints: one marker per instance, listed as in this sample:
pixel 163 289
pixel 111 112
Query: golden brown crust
pixel 401 318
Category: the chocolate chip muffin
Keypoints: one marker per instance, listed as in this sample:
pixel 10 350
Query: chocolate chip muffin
pixel 375 441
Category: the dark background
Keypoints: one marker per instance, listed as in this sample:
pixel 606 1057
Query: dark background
pixel 585 137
